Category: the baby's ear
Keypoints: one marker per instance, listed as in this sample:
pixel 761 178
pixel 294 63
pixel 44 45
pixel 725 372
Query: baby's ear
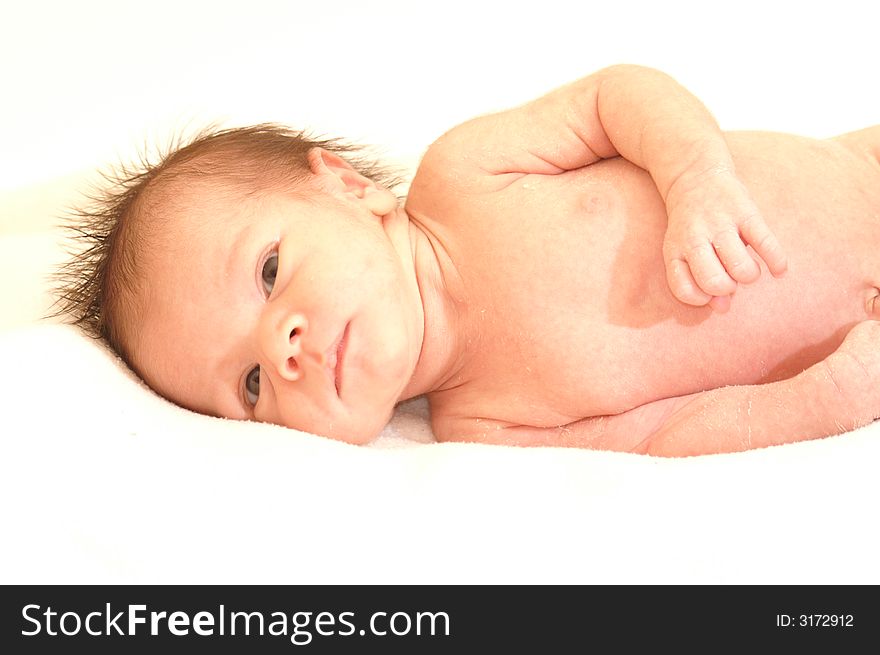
pixel 333 171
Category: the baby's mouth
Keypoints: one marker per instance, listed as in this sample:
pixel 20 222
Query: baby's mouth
pixel 335 355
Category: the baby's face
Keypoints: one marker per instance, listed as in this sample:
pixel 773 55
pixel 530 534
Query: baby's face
pixel 300 313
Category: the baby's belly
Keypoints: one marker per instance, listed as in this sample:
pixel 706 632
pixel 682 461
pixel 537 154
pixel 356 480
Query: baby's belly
pixel 584 322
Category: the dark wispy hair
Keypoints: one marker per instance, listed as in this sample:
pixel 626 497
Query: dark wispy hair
pixel 95 287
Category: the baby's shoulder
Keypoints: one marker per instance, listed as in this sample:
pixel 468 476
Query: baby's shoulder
pixel 865 142
pixel 451 189
pixel 447 183
pixel 447 161
pixel 466 158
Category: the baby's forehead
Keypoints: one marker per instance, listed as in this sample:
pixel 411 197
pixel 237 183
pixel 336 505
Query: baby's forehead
pixel 198 210
pixel 202 221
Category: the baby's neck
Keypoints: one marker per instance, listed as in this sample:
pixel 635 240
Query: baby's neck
pixel 442 352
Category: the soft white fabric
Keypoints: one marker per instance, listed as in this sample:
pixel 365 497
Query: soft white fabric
pixel 103 481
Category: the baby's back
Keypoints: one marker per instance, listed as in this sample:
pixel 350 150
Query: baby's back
pixel 566 290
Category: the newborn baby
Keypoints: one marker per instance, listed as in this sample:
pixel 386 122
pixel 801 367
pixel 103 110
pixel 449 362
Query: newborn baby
pixel 600 268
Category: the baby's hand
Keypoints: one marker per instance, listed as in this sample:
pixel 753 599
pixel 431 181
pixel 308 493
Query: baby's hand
pixel 712 220
pixel 854 371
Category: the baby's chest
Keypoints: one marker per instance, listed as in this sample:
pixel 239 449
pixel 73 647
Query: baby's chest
pixel 553 367
pixel 554 270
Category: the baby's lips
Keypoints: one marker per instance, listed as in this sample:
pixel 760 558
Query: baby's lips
pixel 328 357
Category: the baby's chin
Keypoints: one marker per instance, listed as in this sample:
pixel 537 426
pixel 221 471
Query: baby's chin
pixel 351 429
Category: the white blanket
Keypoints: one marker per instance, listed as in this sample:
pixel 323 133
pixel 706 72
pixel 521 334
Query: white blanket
pixel 103 481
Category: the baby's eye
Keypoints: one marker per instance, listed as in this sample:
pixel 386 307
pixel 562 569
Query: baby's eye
pixel 270 269
pixel 252 386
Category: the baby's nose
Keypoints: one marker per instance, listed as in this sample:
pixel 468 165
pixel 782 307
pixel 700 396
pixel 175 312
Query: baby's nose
pixel 282 343
pixel 288 367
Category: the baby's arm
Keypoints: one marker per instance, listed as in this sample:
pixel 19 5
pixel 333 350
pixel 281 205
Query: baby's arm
pixel 646 117
pixel 831 397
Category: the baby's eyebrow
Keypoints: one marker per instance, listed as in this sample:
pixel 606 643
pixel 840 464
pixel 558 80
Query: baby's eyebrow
pixel 225 397
pixel 214 383
pixel 231 374
pixel 235 247
pixel 231 368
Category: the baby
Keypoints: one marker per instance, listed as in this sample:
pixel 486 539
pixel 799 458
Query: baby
pixel 601 268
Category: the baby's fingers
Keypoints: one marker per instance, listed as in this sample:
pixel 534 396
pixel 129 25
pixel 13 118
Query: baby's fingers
pixel 735 257
pixel 756 233
pixel 708 271
pixel 683 285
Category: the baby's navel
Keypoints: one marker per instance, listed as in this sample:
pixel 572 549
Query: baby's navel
pixel 872 304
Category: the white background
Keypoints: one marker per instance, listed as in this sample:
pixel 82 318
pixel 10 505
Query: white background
pixel 87 83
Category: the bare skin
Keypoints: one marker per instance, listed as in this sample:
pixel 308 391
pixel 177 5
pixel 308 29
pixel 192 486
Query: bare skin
pixel 578 340
pixel 601 268
pixel 588 301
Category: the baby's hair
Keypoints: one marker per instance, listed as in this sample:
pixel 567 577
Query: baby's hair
pixel 97 287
